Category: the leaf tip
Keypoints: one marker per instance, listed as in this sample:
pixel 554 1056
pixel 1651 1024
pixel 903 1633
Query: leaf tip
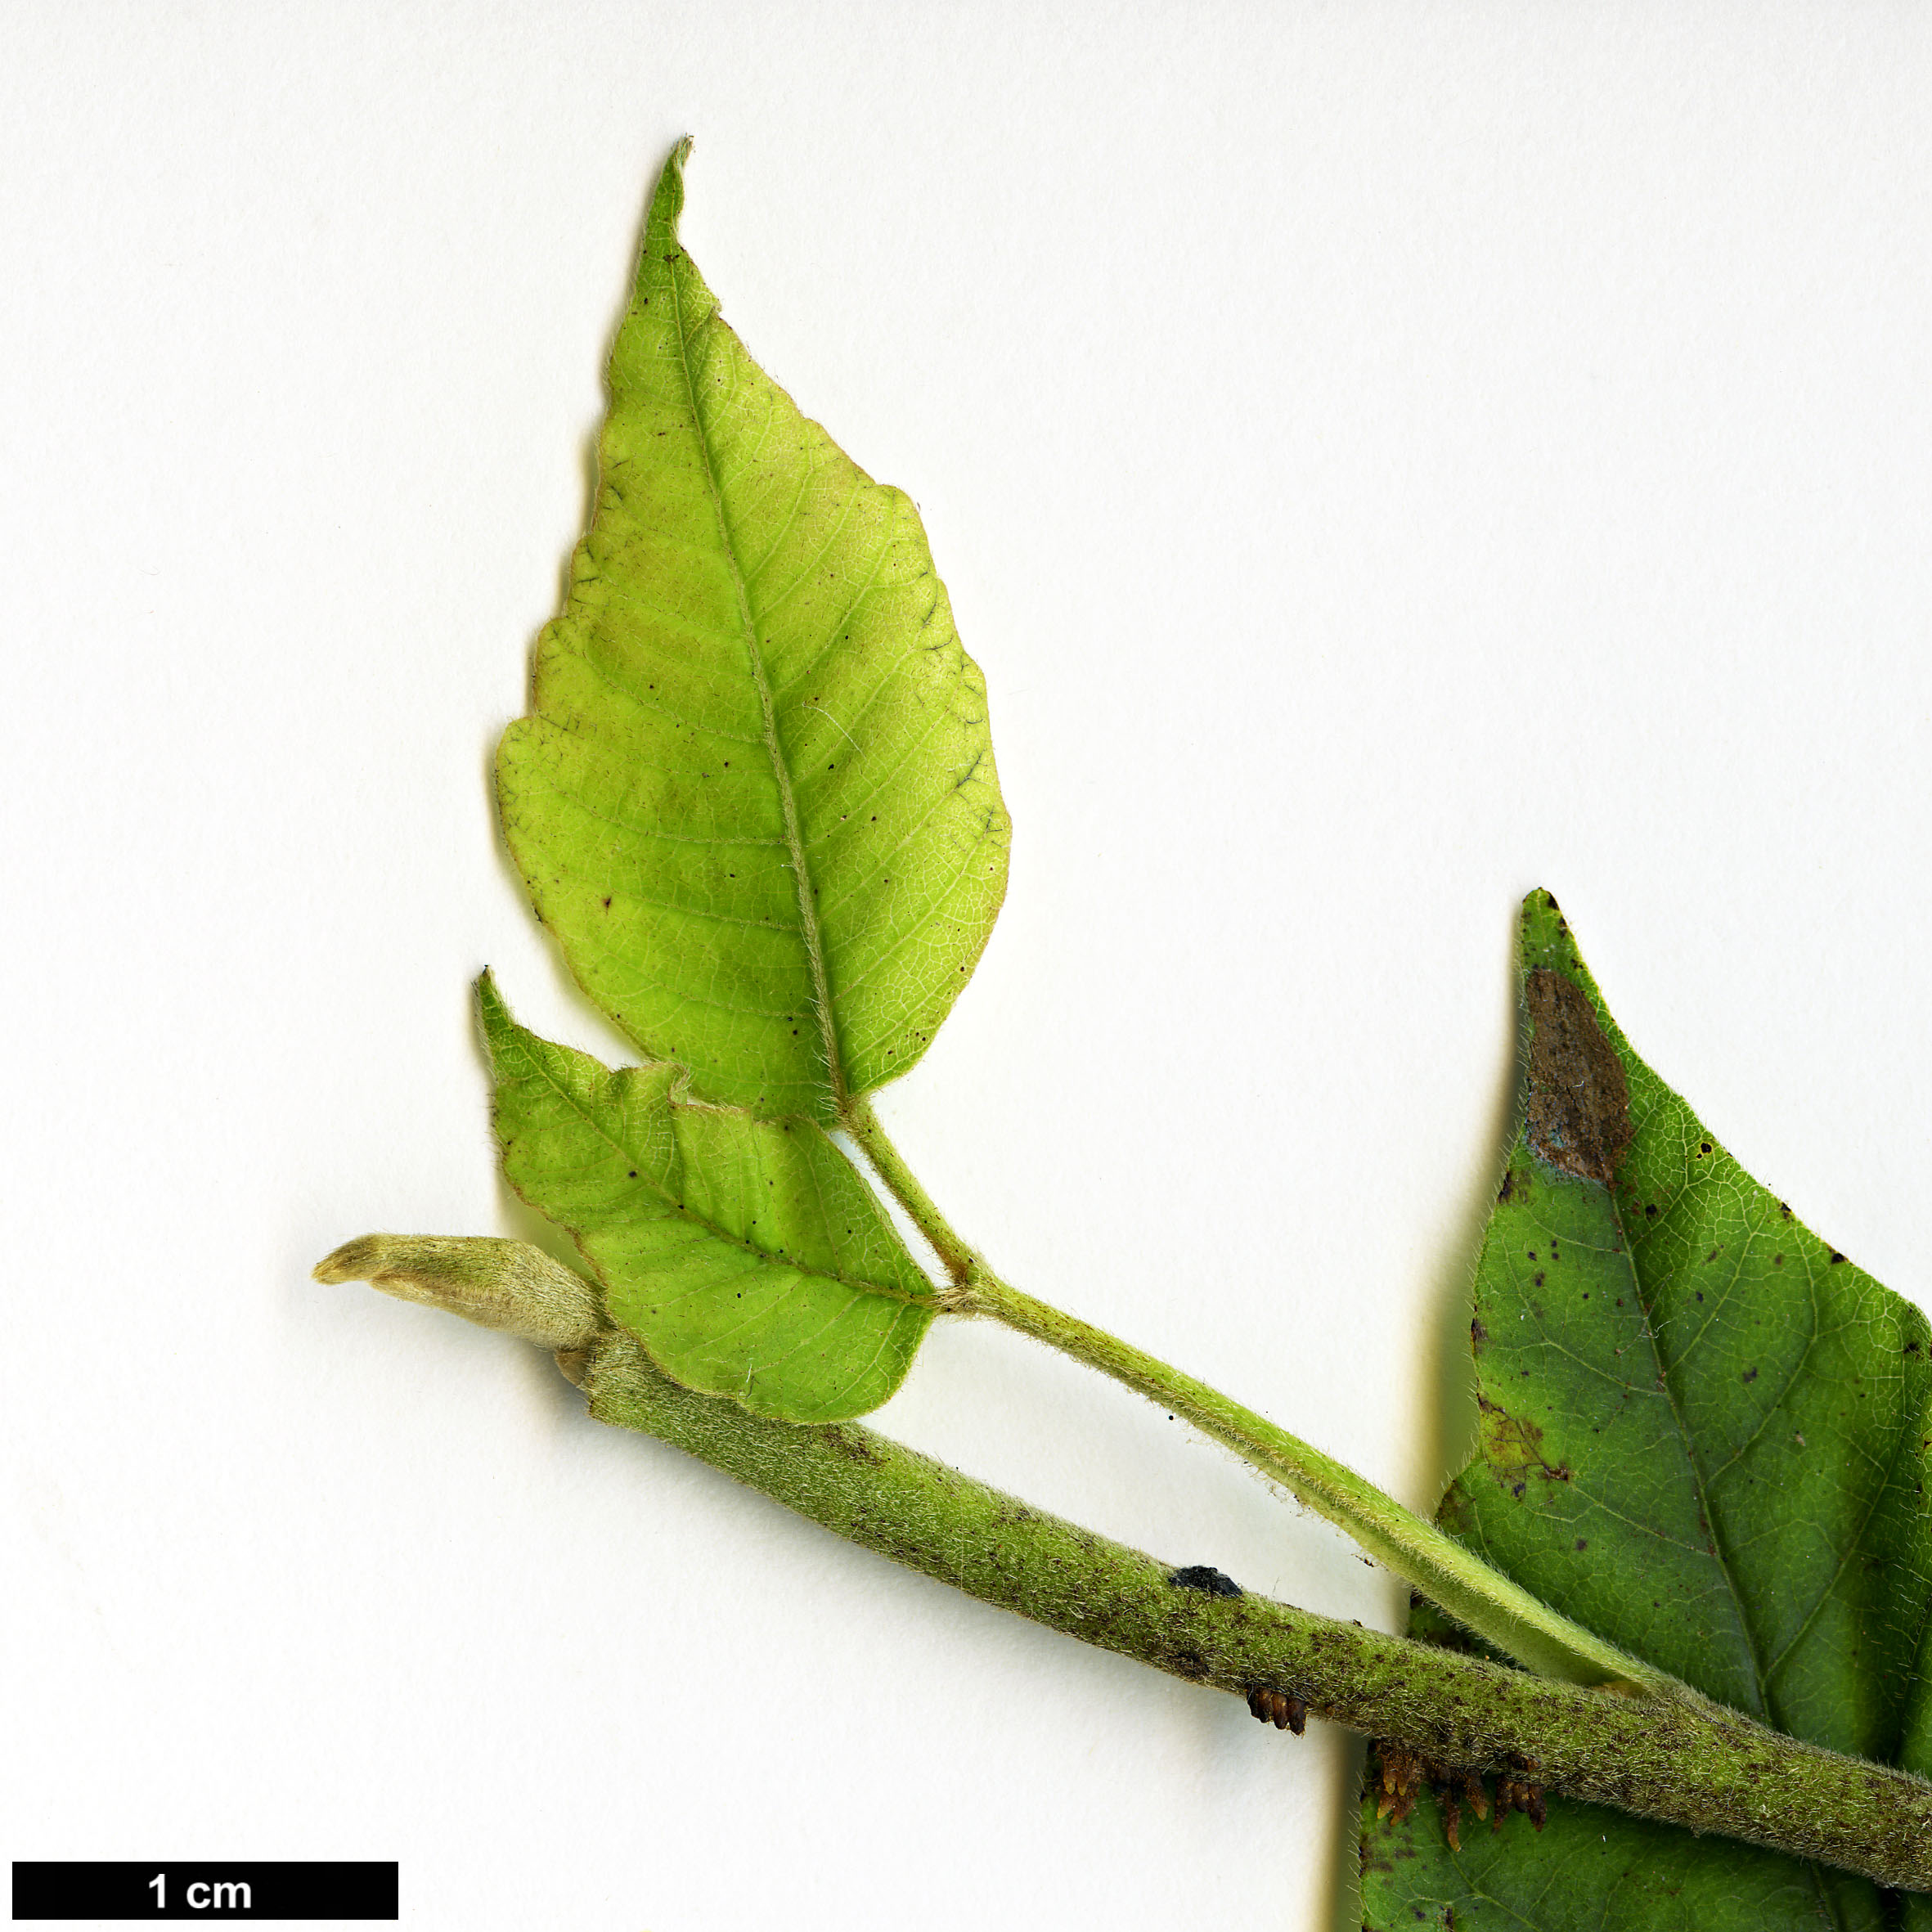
pixel 1543 935
pixel 667 203
pixel 488 1000
pixel 1540 913
pixel 492 1015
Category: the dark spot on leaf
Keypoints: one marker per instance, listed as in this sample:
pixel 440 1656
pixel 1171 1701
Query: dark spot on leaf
pixel 1650 1210
pixel 1583 1543
pixel 632 1176
pixel 1539 1278
pixel 1204 1576
pixel 1751 1375
pixel 1777 1261
pixel 1513 1448
pixel 1836 1257
pixel 1579 1101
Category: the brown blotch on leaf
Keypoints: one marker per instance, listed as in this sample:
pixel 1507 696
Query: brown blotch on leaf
pixel 1512 1447
pixel 1579 1102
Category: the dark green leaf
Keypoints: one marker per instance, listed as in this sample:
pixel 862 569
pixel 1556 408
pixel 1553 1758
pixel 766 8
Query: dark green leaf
pixel 1707 1435
pixel 1590 1869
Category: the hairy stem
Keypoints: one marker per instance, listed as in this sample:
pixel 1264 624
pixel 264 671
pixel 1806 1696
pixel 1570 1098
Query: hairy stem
pixel 1685 1760
pixel 1480 1598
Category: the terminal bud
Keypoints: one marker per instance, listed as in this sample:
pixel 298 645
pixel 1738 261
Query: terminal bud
pixel 499 1284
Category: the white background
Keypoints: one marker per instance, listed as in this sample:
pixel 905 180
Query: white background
pixel 1384 459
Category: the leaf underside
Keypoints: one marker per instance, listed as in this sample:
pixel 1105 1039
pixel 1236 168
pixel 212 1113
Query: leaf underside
pixel 1590 1870
pixel 755 797
pixel 1705 1435
pixel 746 1255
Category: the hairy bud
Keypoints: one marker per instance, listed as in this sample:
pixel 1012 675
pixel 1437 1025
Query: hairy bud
pixel 499 1284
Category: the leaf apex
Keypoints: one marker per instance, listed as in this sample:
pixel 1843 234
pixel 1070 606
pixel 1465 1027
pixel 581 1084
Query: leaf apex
pixel 492 1013
pixel 1544 938
pixel 668 201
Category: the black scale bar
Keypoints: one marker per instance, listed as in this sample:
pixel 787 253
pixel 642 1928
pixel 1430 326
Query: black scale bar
pixel 124 1892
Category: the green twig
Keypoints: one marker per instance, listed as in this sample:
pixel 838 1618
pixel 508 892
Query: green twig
pixel 1686 1761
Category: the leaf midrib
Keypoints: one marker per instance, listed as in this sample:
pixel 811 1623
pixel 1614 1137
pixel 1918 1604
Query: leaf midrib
pixel 1766 1707
pixel 1666 1381
pixel 808 922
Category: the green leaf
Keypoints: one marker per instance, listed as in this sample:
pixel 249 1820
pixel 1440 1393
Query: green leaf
pixel 755 797
pixel 1590 1869
pixel 1707 1436
pixel 1917 1915
pixel 747 1255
